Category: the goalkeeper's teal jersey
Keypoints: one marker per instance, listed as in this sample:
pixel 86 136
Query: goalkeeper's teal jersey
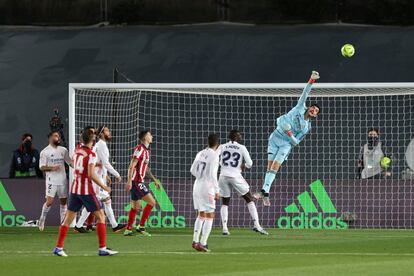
pixel 296 118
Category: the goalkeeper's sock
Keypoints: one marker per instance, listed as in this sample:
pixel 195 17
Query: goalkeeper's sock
pixel 197 228
pixel 208 224
pixel 269 177
pixel 224 212
pixel 253 213
pixel 84 215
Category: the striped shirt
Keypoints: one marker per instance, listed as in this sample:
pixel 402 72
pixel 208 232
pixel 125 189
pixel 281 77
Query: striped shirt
pixel 82 183
pixel 142 155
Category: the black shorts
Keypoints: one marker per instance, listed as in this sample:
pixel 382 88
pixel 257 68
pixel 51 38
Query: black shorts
pixel 90 202
pixel 138 191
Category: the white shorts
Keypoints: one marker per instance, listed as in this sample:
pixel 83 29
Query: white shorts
pixel 60 190
pixel 239 184
pixel 101 195
pixel 204 202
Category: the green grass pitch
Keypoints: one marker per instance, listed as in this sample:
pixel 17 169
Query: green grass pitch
pixel 26 251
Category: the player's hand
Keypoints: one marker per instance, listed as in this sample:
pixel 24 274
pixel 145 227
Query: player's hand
pixel 118 179
pixel 315 75
pixel 55 168
pixel 107 188
pixel 243 167
pixel 217 196
pixel 98 164
pixel 108 180
pixel 157 184
pixel 128 186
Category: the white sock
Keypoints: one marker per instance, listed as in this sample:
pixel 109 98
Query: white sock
pixel 224 212
pixel 63 209
pixel 208 224
pixel 253 213
pixel 84 216
pixel 197 228
pixel 45 210
pixel 110 213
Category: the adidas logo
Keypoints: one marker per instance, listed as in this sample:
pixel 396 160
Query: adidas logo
pixel 6 205
pixel 309 216
pixel 159 219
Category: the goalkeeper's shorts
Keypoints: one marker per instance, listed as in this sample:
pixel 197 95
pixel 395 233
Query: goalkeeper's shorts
pixel 278 148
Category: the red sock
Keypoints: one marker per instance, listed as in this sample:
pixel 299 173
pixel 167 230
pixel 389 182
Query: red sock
pixel 63 231
pixel 89 221
pixel 145 214
pixel 101 231
pixel 131 218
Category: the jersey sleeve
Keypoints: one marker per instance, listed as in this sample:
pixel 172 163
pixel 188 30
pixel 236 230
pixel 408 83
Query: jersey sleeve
pixel 138 152
pixel 92 158
pixel 193 169
pixel 42 159
pixel 214 172
pixel 103 154
pixel 247 159
pixel 303 97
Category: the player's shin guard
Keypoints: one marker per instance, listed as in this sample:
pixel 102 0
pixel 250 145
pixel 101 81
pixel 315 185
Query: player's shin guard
pixel 63 209
pixel 101 231
pixel 208 224
pixel 197 228
pixel 110 213
pixel 253 213
pixel 84 215
pixel 224 213
pixel 63 231
pixel 131 218
pixel 145 214
pixel 269 178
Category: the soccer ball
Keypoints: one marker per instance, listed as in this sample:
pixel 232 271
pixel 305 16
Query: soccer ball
pixel 385 162
pixel 348 50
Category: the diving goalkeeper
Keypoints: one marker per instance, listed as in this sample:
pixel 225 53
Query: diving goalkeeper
pixel 290 130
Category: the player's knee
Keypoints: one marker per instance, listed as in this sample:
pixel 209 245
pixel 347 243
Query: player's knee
pixel 225 201
pixel 100 217
pixel 248 197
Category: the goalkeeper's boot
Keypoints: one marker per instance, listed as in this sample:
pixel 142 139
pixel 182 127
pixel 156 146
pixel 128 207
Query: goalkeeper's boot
pixel 142 231
pixel 59 252
pixel 119 228
pixel 128 232
pixel 266 201
pixel 80 230
pixel 261 231
pixel 41 224
pixel 107 252
pixel 202 248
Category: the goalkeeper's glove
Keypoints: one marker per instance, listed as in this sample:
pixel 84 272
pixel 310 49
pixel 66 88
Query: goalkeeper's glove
pixel 288 129
pixel 314 76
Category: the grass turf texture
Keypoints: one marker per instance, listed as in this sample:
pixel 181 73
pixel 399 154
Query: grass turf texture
pixel 26 251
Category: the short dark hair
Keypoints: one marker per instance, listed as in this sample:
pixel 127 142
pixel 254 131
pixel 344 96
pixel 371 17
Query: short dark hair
pixel 142 134
pixel 213 140
pixel 52 132
pixel 24 136
pixel 87 136
pixel 374 129
pixel 316 105
pixel 233 133
pixel 88 127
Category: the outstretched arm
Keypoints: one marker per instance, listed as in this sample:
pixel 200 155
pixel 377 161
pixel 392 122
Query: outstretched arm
pixel 314 76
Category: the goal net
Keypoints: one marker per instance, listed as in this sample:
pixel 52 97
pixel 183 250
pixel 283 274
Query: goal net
pixel 320 184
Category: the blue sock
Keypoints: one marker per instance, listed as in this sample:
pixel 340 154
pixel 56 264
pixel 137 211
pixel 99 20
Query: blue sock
pixel 270 176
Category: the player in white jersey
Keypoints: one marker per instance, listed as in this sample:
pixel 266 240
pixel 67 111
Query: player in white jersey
pixel 102 153
pixel 52 162
pixel 205 191
pixel 235 158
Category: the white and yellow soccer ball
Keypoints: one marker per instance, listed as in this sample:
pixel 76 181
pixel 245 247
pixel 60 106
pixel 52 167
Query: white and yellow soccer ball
pixel 348 50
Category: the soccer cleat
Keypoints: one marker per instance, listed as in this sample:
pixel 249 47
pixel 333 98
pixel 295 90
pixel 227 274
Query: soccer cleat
pixel 80 230
pixel 202 248
pixel 128 232
pixel 261 231
pixel 142 231
pixel 195 245
pixel 59 252
pixel 226 233
pixel 266 201
pixel 107 252
pixel 90 228
pixel 119 228
pixel 41 224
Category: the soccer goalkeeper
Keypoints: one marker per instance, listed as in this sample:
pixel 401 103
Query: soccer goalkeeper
pixel 290 130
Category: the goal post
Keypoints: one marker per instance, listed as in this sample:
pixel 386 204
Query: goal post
pixel 317 187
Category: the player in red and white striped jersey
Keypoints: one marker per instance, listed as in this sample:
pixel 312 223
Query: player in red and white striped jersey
pixel 137 170
pixel 83 194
